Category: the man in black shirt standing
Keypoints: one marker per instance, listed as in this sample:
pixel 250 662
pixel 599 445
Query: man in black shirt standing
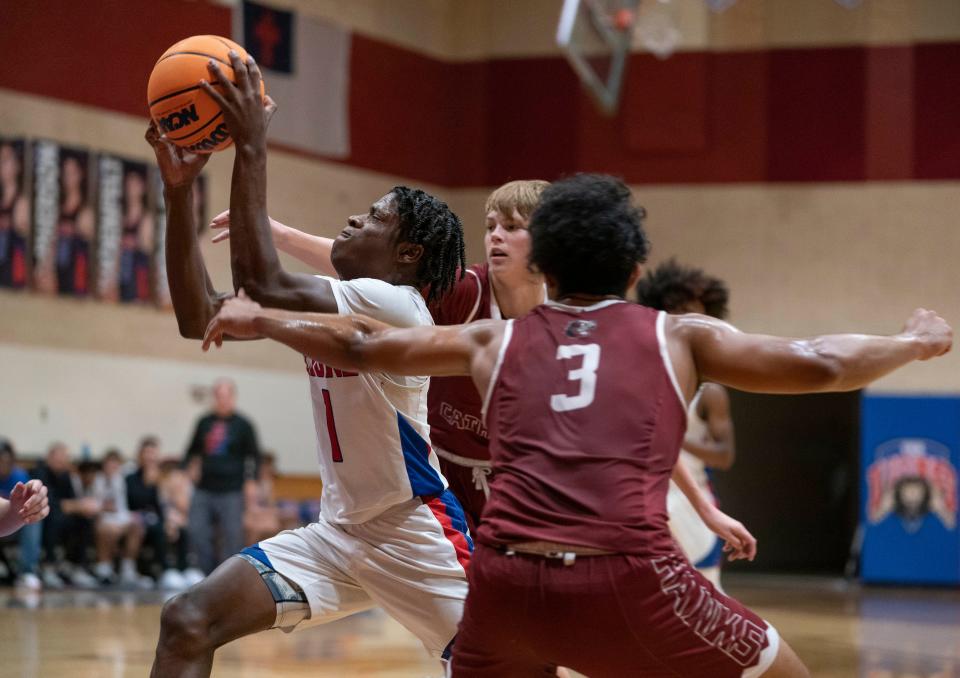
pixel 225 447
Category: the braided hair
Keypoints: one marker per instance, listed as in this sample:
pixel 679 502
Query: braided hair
pixel 427 221
pixel 671 286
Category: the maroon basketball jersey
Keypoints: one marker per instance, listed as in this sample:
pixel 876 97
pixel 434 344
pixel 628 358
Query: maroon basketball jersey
pixel 586 420
pixel 456 423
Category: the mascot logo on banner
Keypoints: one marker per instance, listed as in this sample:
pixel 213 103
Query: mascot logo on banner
pixel 912 477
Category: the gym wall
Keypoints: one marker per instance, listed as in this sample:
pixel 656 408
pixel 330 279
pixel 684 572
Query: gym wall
pixel 805 152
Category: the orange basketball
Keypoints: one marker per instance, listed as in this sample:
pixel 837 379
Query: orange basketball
pixel 180 109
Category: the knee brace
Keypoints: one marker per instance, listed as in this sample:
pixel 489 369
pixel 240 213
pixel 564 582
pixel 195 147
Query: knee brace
pixel 292 605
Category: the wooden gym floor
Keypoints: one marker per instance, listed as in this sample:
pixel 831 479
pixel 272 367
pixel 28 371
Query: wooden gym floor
pixel 839 630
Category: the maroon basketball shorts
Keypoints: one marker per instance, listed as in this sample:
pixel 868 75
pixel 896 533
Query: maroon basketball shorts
pixel 611 616
pixel 464 488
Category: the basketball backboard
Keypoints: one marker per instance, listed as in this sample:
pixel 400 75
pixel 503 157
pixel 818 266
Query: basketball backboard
pixel 595 37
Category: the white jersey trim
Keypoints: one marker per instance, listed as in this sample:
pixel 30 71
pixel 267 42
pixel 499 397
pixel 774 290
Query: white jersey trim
pixel 580 309
pixel 476 304
pixel 665 356
pixel 767 656
pixel 507 335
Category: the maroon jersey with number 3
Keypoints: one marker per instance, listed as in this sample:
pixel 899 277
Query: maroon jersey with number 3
pixel 586 422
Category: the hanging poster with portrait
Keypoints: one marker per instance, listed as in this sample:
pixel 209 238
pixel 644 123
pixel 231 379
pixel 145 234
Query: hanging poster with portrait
pixel 126 242
pixel 14 214
pixel 64 222
pixel 200 217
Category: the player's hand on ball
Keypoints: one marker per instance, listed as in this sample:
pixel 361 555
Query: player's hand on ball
pixel 930 331
pixel 245 111
pixel 30 501
pixel 235 318
pixel 178 166
pixel 740 544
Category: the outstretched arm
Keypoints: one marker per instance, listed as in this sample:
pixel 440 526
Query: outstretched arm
pixel 765 364
pixel 312 250
pixel 195 301
pixel 718 451
pixel 359 343
pixel 253 255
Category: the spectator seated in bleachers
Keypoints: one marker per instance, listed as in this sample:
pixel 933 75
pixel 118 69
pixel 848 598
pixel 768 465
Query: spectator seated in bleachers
pixel 118 532
pixel 144 502
pixel 68 532
pixel 176 493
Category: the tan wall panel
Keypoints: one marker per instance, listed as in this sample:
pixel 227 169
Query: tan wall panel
pixel 477 29
pixel 107 399
pixel 419 25
pixel 809 259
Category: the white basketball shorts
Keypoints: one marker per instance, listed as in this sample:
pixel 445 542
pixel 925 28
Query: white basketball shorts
pixel 409 560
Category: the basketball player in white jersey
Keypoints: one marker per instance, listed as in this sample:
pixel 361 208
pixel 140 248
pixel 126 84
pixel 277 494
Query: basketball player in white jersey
pixel 502 287
pixel 390 534
pixel 709 442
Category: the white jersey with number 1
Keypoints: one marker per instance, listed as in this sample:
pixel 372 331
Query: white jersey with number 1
pixel 372 431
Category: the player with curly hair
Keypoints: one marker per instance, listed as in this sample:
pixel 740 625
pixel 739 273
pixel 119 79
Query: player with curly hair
pixel 390 533
pixel 503 286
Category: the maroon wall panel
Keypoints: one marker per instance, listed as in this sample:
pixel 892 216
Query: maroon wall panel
pixel 532 119
pixel 96 54
pixel 730 126
pixel 400 102
pixel 816 114
pixel 889 113
pixel 673 121
pixel 937 116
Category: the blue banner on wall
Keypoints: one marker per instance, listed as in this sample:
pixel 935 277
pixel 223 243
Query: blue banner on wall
pixel 910 451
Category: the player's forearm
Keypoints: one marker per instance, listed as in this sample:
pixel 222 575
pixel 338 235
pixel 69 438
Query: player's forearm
pixel 253 255
pixel 684 479
pixel 191 290
pixel 312 250
pixel 328 338
pixel 714 454
pixel 856 360
pixel 362 344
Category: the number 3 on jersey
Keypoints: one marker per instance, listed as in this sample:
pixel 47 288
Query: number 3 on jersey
pixel 586 374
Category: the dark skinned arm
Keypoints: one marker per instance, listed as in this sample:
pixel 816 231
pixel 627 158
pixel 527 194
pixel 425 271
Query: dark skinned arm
pixel 718 352
pixel 253 255
pixel 195 301
pixel 362 344
pixel 719 451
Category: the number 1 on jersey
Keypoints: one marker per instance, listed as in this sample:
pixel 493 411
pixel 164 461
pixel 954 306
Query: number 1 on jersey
pixel 332 428
pixel 586 374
